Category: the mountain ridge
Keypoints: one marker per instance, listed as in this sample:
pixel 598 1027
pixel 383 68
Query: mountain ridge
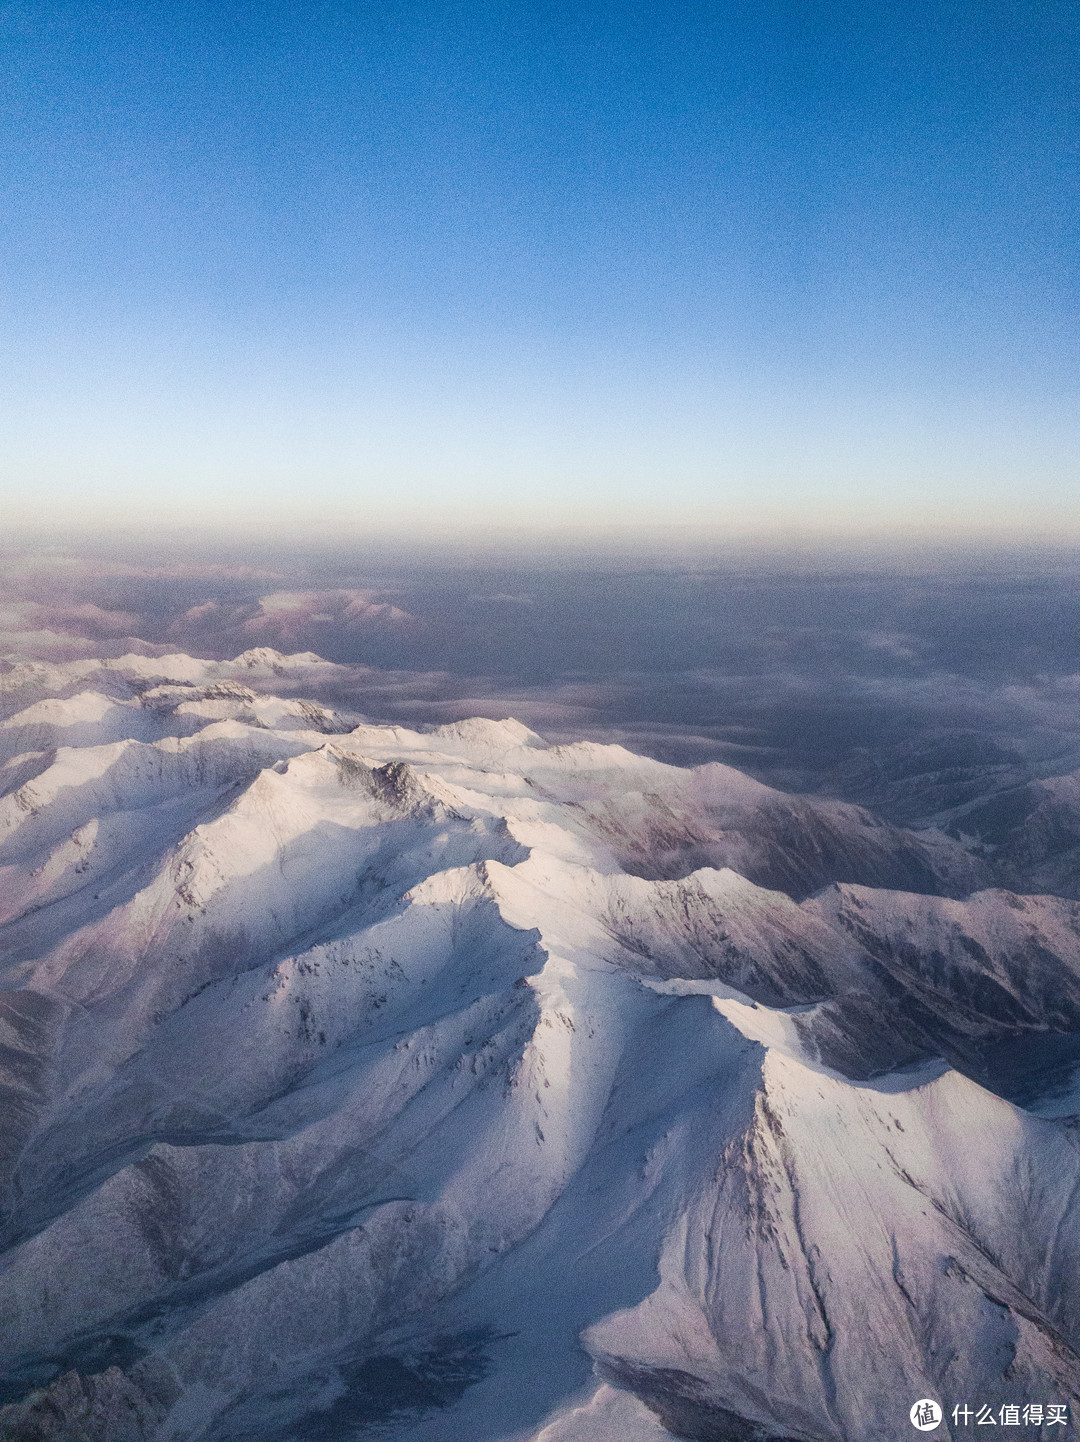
pixel 369 1082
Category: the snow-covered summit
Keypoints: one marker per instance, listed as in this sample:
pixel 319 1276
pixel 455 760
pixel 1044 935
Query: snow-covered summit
pixel 365 1082
pixel 27 681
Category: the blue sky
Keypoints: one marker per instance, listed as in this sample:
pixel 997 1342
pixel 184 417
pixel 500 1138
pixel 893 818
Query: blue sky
pixel 751 267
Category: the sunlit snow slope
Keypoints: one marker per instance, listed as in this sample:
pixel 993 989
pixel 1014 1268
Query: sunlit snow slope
pixel 359 1083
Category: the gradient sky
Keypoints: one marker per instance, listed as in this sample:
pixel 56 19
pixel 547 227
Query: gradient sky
pixel 758 267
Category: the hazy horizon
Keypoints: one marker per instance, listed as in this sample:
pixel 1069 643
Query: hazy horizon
pixel 811 679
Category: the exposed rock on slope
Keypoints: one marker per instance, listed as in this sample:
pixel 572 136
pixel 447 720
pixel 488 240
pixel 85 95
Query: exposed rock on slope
pixel 359 1082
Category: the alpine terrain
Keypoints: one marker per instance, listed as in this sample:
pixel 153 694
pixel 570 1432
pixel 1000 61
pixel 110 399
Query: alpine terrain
pixel 450 1086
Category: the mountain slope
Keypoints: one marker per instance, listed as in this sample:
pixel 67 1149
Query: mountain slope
pixel 373 1083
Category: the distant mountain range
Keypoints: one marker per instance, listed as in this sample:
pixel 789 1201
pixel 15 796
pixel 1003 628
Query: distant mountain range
pixel 359 1082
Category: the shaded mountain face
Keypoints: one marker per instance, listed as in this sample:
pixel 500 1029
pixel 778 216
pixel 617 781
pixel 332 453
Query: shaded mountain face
pixel 360 1082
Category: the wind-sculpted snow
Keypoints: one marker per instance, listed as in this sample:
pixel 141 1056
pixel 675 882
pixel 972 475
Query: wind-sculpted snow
pixel 360 1082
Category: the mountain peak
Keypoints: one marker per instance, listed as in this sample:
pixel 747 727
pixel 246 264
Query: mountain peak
pixel 450 1084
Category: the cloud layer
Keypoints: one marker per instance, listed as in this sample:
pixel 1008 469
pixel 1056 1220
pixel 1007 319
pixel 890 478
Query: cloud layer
pixel 808 682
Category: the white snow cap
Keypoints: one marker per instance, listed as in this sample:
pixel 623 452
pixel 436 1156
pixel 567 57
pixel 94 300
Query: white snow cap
pixel 449 1084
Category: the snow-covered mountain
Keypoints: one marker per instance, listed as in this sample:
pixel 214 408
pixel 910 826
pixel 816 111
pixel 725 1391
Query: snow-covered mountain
pixel 359 1082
